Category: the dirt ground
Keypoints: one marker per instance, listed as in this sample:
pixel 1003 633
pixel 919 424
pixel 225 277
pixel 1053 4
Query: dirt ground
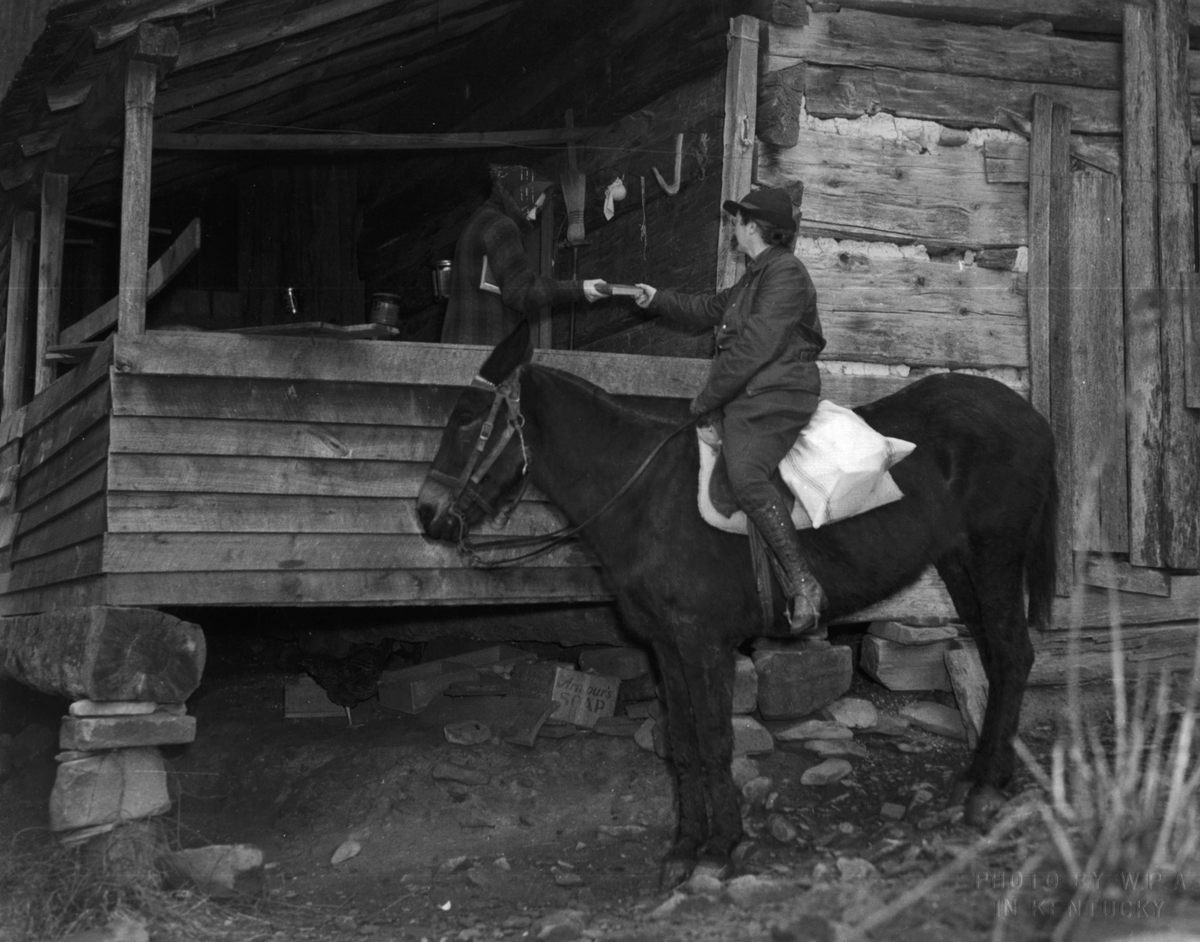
pixel 561 840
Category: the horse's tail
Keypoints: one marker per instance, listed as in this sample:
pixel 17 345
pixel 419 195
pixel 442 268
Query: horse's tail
pixel 1041 556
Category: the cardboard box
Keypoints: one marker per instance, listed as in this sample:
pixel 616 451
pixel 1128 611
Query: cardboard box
pixel 579 698
pixel 410 689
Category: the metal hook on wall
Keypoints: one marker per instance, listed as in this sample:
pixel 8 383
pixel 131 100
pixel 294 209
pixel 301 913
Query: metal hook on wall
pixel 672 188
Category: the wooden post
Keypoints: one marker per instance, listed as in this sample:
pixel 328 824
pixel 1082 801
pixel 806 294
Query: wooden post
pixel 152 48
pixel 1181 458
pixel 543 329
pixel 20 281
pixel 1096 351
pixel 1143 357
pixel 1049 293
pixel 1038 280
pixel 741 104
pixel 140 86
pixel 1061 364
pixel 50 268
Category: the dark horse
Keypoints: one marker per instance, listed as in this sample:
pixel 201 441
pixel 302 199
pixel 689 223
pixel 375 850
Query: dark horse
pixel 979 504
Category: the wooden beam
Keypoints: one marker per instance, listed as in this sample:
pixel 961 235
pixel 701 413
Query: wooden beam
pixel 141 83
pixel 261 28
pixel 320 60
pixel 103 653
pixel 1190 289
pixel 543 335
pixel 1108 572
pixel 20 290
pixel 1038 282
pixel 1096 352
pixel 50 269
pixel 169 264
pixel 741 106
pixel 865 39
pixel 1181 458
pixel 1062 365
pixel 967 101
pixel 1143 353
pixel 341 142
pixel 132 16
pixel 1085 16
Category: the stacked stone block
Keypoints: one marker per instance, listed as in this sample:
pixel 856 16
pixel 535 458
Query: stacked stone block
pixel 110 769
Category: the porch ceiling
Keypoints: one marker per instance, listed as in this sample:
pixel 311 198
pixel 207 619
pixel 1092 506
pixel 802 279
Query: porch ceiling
pixel 280 66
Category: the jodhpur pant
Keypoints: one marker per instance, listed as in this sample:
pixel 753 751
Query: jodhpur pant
pixel 757 432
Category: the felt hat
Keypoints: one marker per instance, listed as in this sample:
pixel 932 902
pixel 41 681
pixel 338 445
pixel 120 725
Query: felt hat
pixel 771 205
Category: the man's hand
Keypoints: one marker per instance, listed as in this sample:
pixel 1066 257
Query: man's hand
pixel 591 289
pixel 646 297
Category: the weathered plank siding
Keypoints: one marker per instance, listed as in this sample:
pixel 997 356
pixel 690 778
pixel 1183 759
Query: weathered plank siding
pixel 58 499
pixel 273 471
pixel 181 468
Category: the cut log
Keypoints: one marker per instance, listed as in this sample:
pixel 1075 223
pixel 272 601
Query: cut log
pixel 104 653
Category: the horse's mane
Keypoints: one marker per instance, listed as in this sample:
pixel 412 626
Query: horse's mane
pixel 645 416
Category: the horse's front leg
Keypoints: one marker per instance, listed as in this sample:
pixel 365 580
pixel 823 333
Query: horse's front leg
pixel 691 827
pixel 699 722
pixel 712 706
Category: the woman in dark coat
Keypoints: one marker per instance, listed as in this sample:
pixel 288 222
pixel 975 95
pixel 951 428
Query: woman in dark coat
pixel 483 310
pixel 763 380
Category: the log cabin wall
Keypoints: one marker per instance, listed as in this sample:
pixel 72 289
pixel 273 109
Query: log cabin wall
pixel 914 130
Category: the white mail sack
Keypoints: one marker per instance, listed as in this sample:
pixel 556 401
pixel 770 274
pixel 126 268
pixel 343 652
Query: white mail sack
pixel 839 465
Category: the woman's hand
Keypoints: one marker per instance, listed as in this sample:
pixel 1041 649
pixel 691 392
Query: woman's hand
pixel 646 297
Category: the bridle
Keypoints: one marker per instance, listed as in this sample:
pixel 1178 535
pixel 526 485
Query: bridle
pixel 464 488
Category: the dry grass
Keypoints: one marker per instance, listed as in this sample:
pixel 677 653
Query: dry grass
pixel 1118 794
pixel 49 892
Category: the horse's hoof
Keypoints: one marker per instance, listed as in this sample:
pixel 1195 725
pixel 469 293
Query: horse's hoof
pixel 675 871
pixel 707 878
pixel 982 805
pixel 742 852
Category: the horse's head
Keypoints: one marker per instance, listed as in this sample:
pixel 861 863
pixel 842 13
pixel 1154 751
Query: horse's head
pixel 482 461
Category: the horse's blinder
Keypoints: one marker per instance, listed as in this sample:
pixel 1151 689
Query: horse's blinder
pixel 464 488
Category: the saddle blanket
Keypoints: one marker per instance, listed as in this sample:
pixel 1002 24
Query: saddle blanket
pixel 837 468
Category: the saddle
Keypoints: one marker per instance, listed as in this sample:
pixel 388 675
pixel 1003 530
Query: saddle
pixel 838 468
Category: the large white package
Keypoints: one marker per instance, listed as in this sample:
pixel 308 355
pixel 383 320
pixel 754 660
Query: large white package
pixel 839 465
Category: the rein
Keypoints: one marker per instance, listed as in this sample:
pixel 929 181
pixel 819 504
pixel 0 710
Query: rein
pixel 477 466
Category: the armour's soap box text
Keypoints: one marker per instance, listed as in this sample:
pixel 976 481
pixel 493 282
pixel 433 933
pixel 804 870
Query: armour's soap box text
pixel 579 697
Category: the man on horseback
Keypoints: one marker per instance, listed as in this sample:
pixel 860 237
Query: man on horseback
pixel 763 383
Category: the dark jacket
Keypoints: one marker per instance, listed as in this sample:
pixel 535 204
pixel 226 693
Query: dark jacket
pixel 474 315
pixel 768 332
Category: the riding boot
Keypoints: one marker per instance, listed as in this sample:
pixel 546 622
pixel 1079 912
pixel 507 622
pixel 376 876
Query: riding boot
pixel 808 598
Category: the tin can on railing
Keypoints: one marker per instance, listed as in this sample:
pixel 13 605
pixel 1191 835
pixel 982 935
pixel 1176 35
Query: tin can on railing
pixel 385 309
pixel 441 279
